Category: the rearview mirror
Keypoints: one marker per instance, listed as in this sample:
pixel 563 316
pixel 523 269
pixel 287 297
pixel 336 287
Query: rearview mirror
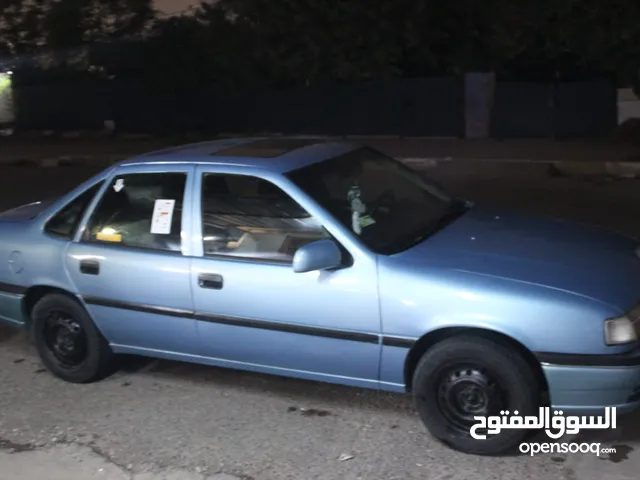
pixel 319 255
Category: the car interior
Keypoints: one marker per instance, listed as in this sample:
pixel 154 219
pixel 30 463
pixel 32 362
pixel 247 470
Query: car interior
pixel 250 217
pixel 129 213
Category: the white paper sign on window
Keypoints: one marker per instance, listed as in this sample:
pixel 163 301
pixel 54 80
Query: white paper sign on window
pixel 162 216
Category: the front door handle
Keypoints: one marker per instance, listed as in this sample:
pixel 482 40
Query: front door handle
pixel 212 281
pixel 90 267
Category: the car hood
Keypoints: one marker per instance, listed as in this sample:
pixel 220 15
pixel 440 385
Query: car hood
pixel 26 212
pixel 583 260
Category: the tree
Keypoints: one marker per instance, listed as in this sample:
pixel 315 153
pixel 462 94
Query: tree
pixel 246 43
pixel 562 39
pixel 71 23
pixel 56 25
pixel 21 26
pixel 315 41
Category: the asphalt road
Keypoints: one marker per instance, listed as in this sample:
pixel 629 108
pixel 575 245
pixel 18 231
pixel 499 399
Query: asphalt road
pixel 156 420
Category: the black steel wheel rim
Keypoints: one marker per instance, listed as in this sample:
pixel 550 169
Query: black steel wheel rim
pixel 465 391
pixel 65 339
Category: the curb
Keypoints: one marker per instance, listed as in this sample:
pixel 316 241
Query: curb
pixel 620 170
pixel 625 169
pixel 574 169
pixel 65 161
pixel 106 133
pixel 88 160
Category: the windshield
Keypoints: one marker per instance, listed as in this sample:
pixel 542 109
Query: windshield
pixel 387 204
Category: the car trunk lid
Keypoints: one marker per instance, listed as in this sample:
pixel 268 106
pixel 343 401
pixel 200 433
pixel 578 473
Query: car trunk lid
pixel 25 212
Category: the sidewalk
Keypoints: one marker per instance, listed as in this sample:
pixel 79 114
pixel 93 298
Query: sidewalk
pixel 505 150
pixel 39 147
pixel 611 158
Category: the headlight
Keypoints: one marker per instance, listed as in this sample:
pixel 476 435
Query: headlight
pixel 619 331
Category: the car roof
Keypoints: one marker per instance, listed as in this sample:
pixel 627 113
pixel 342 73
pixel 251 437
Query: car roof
pixel 277 154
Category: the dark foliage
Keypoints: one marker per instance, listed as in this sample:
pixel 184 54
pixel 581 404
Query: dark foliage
pixel 240 44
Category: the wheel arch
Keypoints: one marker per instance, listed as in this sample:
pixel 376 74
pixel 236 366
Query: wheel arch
pixel 36 293
pixel 430 339
pixel 98 359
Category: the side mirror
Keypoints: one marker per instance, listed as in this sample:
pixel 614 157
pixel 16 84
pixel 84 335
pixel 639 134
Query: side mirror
pixel 319 255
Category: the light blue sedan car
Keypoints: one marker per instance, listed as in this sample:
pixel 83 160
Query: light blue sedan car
pixel 329 261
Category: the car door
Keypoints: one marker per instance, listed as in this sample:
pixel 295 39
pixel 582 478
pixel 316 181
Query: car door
pixel 129 262
pixel 252 309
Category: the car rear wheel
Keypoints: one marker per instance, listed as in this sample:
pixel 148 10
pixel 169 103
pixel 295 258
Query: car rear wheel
pixel 68 343
pixel 463 377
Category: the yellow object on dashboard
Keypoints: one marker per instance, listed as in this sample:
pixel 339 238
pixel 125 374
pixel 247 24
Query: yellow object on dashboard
pixel 109 237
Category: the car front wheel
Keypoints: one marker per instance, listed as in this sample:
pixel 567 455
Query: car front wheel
pixel 463 377
pixel 68 343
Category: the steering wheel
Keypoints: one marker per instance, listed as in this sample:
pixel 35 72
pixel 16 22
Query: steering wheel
pixel 385 199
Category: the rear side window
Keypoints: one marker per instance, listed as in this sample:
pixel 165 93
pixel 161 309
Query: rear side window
pixel 65 223
pixel 140 210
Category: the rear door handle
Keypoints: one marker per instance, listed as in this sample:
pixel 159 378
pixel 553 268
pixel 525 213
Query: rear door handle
pixel 211 281
pixel 90 267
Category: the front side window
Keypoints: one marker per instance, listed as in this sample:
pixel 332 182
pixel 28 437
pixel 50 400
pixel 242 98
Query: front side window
pixel 64 223
pixel 389 206
pixel 248 217
pixel 140 210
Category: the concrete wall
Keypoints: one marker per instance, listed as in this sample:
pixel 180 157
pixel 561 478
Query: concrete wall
pixel 7 115
pixel 628 105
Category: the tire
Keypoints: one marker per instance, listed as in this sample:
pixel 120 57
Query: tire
pixel 443 386
pixel 57 320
